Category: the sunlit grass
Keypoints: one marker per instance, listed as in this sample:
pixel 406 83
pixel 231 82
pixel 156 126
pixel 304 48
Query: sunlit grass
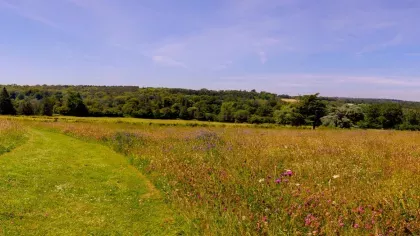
pixel 233 179
pixel 12 135
pixel 57 185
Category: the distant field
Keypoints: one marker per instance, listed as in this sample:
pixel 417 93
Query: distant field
pixel 71 119
pixel 289 100
pixel 139 121
pixel 240 179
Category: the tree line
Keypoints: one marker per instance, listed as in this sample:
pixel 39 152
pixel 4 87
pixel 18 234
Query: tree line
pixel 208 105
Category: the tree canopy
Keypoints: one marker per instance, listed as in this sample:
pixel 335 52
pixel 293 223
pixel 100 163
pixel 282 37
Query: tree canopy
pixel 6 106
pixel 208 105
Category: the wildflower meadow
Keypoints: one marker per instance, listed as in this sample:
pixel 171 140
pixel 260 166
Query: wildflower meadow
pixel 280 181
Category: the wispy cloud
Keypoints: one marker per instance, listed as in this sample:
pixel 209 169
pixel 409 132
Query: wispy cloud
pixel 327 79
pixel 26 10
pixel 167 61
pixel 301 45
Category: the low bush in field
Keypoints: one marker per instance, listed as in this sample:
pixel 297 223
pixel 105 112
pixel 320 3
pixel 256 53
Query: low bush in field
pixel 230 180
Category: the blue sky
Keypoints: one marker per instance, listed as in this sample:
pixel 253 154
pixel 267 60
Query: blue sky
pixel 354 48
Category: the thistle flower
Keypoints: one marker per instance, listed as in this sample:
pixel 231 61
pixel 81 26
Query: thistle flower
pixel 288 173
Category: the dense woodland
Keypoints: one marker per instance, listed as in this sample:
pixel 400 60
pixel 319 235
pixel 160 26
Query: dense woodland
pixel 207 105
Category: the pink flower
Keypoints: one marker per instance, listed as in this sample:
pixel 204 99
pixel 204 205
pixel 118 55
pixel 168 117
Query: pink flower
pixel 356 226
pixel 309 219
pixel 288 173
pixel 278 181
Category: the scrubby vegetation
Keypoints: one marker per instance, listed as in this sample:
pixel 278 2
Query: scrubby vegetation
pixel 235 180
pixel 206 105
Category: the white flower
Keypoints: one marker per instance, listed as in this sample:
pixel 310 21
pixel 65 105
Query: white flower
pixel 261 180
pixel 336 176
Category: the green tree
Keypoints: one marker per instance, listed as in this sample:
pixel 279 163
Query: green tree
pixel 25 108
pixel 372 116
pixel 284 116
pixel 131 106
pixel 312 109
pixel 241 116
pixel 75 105
pixel 227 111
pixel 48 106
pixel 346 116
pixel 392 115
pixel 6 106
pixel 412 117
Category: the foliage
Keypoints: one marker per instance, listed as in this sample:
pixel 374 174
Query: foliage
pixel 346 116
pixel 312 109
pixel 6 106
pixel 206 105
pixel 385 116
pixel 25 108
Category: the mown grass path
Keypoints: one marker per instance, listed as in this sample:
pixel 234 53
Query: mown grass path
pixel 58 185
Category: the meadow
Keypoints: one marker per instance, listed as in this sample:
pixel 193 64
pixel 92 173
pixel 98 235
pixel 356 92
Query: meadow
pixel 247 180
pixel 11 135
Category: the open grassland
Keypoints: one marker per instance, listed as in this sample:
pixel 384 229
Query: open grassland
pixel 12 134
pixel 240 180
pixel 58 185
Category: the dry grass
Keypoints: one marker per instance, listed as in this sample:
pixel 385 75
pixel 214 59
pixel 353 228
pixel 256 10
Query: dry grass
pixel 231 180
pixel 12 134
pixel 289 100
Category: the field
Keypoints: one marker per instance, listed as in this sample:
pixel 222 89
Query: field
pixel 234 179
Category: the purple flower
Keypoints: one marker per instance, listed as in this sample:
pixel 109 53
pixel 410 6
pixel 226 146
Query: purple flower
pixel 288 173
pixel 278 181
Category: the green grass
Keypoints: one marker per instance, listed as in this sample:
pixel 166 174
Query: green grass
pixel 58 185
pixel 11 136
pixel 231 180
pixel 225 180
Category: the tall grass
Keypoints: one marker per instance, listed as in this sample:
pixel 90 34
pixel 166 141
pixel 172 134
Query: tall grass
pixel 239 180
pixel 12 134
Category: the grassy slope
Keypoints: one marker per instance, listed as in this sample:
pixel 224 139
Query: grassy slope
pixel 58 185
